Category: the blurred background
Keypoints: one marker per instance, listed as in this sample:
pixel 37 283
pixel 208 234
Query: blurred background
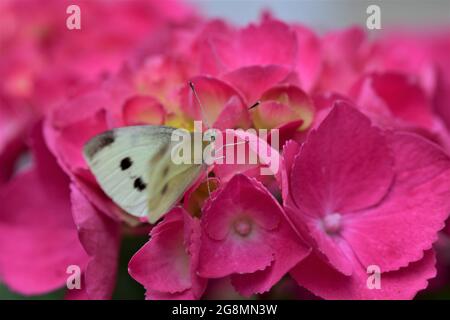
pixel 327 14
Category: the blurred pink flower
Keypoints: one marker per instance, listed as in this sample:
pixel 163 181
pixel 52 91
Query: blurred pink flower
pixel 100 237
pixel 43 62
pixel 38 237
pixel 345 54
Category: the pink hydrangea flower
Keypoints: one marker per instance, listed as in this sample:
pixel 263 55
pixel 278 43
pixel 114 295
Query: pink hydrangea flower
pixel 363 197
pixel 245 235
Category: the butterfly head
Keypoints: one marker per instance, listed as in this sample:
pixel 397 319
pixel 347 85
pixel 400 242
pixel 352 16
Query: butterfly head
pixel 211 135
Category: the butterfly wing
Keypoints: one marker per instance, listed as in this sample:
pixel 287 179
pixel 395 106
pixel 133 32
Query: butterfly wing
pixel 171 191
pixel 120 160
pixel 169 180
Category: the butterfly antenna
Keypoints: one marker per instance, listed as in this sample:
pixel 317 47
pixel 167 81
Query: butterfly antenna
pixel 257 103
pixel 191 84
pixel 202 110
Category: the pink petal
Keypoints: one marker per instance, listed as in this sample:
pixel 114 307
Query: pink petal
pixel 257 148
pixel 405 54
pixel 77 294
pixel 343 55
pixel 283 104
pixel 157 295
pixel 223 48
pixel 226 247
pixel 67 142
pixel 51 246
pixel 215 95
pixel 326 100
pixel 162 264
pixel 252 81
pixel 400 94
pixel 440 49
pixel 287 132
pixel 232 256
pixel 289 250
pixel 215 46
pixel 343 166
pixel 85 181
pixel 100 237
pixel 309 57
pixel 142 110
pixel 72 124
pixel 167 265
pixel 346 163
pixel 233 115
pixel 271 42
pixel 237 199
pixel 14 124
pixel 290 150
pixel 406 223
pixel 66 137
pixel 322 280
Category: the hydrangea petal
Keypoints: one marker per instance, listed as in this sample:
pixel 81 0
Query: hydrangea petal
pixel 319 278
pixel 214 95
pixel 289 250
pixel 143 110
pixel 252 81
pixel 400 94
pixel 290 151
pixel 309 57
pixel 354 173
pixel 100 237
pixel 162 264
pixel 407 222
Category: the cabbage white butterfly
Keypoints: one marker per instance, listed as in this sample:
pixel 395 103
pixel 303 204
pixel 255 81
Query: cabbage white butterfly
pixel 134 168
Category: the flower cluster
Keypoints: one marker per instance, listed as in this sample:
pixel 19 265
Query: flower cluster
pixel 364 179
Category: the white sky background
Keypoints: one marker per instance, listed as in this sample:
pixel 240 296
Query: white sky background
pixel 328 14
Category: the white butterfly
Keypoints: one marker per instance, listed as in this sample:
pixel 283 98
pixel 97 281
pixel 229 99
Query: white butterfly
pixel 134 168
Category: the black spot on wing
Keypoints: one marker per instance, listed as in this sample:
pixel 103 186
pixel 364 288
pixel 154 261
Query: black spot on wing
pixel 99 142
pixel 139 184
pixel 165 171
pixel 125 163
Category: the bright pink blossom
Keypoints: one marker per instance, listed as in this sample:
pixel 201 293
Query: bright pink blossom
pixel 245 235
